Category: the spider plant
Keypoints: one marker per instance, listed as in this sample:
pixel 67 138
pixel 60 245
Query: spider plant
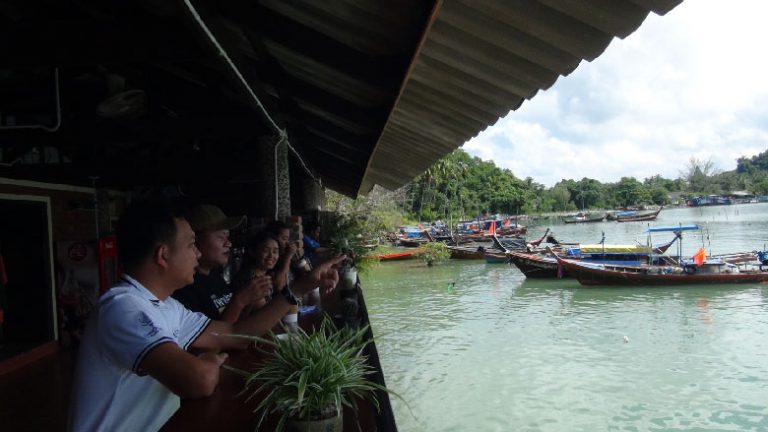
pixel 312 375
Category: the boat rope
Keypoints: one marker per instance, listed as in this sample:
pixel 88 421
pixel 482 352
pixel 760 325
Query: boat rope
pixel 232 65
pixel 282 133
pixel 277 185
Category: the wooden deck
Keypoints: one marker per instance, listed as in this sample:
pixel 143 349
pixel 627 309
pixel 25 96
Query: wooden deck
pixel 36 397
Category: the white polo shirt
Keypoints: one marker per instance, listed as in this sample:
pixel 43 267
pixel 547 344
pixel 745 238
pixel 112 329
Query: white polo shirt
pixel 110 392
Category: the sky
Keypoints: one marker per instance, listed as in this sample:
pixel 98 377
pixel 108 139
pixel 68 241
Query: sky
pixel 691 83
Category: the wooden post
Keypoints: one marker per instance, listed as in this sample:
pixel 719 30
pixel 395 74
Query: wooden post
pixel 276 197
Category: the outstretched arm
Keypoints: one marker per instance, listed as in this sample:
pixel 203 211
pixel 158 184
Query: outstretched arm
pixel 264 319
pixel 324 275
pixel 244 297
pixel 258 323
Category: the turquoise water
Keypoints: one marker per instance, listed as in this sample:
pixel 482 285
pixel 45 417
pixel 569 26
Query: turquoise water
pixel 476 347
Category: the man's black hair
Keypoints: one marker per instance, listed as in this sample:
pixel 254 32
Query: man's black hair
pixel 141 227
pixel 274 227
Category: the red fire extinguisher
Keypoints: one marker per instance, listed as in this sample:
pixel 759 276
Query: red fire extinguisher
pixel 108 266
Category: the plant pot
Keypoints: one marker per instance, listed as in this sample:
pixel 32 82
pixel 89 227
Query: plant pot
pixel 349 279
pixel 313 298
pixel 333 424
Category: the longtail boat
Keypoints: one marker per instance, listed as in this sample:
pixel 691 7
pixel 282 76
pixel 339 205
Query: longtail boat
pixel 512 230
pixel 696 271
pixel 534 265
pixel 496 257
pixel 584 218
pixel 508 243
pixel 617 253
pixel 479 251
pixel 538 241
pixel 412 243
pixel 467 252
pixel 715 271
pixel 395 255
pixel 639 216
pixel 544 265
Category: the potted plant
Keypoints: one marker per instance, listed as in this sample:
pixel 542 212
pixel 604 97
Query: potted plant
pixel 310 377
pixel 347 236
pixel 433 252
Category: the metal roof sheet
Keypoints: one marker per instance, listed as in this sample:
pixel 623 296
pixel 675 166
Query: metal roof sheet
pixel 481 58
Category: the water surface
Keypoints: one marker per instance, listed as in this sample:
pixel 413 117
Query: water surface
pixel 476 347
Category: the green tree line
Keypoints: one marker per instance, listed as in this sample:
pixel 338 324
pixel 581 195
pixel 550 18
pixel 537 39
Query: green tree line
pixel 460 186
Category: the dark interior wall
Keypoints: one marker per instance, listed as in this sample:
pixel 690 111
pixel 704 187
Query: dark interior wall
pixel 25 249
pixel 73 217
pixel 24 245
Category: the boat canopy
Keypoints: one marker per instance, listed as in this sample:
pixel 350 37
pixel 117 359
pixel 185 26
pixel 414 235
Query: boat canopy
pixel 690 227
pixel 614 248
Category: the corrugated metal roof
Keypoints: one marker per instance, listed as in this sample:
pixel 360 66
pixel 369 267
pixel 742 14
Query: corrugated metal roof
pixel 481 58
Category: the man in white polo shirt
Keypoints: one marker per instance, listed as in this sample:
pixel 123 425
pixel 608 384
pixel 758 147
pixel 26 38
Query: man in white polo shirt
pixel 133 363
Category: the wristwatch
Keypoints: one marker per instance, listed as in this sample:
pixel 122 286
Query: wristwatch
pixel 288 296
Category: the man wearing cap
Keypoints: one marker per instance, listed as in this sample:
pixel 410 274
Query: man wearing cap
pixel 210 293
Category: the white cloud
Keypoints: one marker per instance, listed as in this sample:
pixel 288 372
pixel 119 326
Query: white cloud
pixel 688 84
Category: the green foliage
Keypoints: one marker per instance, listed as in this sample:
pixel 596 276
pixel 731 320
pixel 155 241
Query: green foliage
pixel 630 192
pixel 585 193
pixel 460 187
pixel 730 181
pixel 701 176
pixel 753 164
pixel 658 181
pixel 311 374
pixel 760 186
pixel 365 264
pixel 348 234
pixel 560 197
pixel 375 214
pixel 659 195
pixel 434 252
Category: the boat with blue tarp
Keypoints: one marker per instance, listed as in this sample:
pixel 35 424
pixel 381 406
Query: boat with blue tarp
pixel 544 265
pixel 696 270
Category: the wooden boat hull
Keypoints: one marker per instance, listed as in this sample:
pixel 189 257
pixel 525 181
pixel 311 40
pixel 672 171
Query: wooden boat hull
pixel 588 274
pixel 535 265
pixel 511 231
pixel 585 220
pixel 395 256
pixel 496 257
pixel 507 243
pixel 538 265
pixel 469 253
pixel 639 217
